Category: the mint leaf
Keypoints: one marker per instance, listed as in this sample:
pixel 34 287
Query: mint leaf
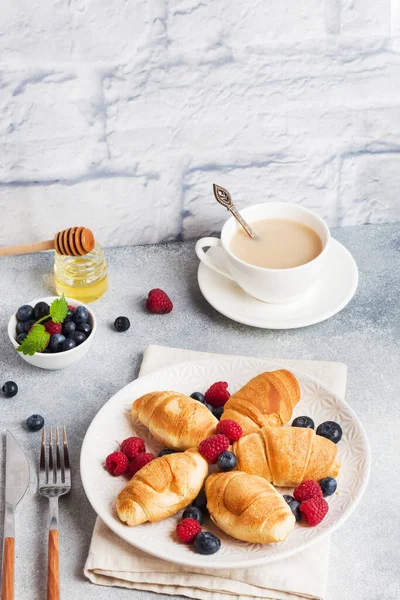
pixel 58 309
pixel 35 341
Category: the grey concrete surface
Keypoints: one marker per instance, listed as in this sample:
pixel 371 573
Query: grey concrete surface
pixel 365 562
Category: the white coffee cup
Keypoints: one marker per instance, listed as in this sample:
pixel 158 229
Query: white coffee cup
pixel 269 285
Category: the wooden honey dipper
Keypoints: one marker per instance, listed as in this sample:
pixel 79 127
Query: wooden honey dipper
pixel 74 241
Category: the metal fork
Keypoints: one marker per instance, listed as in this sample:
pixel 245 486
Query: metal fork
pixel 54 481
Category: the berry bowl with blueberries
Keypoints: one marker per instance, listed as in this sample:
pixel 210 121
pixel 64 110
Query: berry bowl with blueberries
pixel 52 333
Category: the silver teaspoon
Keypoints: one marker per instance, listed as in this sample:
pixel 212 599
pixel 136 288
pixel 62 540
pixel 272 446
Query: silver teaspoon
pixel 223 197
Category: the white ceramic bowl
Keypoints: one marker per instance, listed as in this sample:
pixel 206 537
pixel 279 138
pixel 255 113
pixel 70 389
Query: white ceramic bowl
pixel 60 360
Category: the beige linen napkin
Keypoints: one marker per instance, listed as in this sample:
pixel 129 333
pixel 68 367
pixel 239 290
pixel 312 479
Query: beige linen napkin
pixel 113 562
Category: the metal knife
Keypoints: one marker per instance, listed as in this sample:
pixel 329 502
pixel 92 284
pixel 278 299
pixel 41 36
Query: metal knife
pixel 17 482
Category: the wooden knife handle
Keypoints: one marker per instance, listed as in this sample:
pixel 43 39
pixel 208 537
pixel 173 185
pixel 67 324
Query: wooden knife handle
pixel 7 580
pixel 27 248
pixel 53 575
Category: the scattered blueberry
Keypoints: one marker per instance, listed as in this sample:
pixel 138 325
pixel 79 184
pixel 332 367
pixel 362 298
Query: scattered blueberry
pixel 295 508
pixel 21 337
pixel 68 328
pixel 81 314
pixel 217 412
pixel 10 389
pixel 85 328
pixel 29 325
pixel 122 323
pixel 198 396
pixel 25 313
pixel 70 314
pixel 210 408
pixel 328 486
pixel 20 328
pixel 330 430
pixel 227 461
pixel 41 310
pixel 303 422
pixel 201 502
pixel 206 542
pixel 191 512
pixel 68 344
pixel 288 498
pixel 56 342
pixel 79 337
pixel 166 451
pixel 35 422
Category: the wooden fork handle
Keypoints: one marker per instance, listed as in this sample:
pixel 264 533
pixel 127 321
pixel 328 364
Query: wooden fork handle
pixel 26 248
pixel 7 579
pixel 53 574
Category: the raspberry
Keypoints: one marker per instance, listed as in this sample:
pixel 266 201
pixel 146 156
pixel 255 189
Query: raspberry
pixel 52 328
pixel 71 307
pixel 158 302
pixel 187 530
pixel 306 490
pixel 133 446
pixel 231 429
pixel 138 462
pixel 116 463
pixel 217 394
pixel 314 510
pixel 213 446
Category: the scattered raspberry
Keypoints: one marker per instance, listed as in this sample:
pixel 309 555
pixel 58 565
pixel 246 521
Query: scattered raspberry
pixel 306 490
pixel 116 463
pixel 158 302
pixel 213 446
pixel 133 446
pixel 231 429
pixel 71 307
pixel 314 510
pixel 187 530
pixel 52 328
pixel 138 462
pixel 217 394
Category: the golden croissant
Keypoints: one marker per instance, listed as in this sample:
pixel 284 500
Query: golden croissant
pixel 175 420
pixel 286 456
pixel 162 487
pixel 248 508
pixel 267 399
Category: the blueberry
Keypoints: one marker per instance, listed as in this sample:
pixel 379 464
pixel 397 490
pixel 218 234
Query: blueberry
pixel 79 337
pixel 46 351
pixel 331 431
pixel 227 461
pixel 217 412
pixel 198 396
pixel 35 422
pixel 210 408
pixel 29 325
pixel 68 328
pixel 21 337
pixel 191 512
pixel 166 451
pixel 288 498
pixel 85 328
pixel 20 328
pixel 206 542
pixel 201 502
pixel 122 323
pixel 295 508
pixel 70 314
pixel 25 313
pixel 81 315
pixel 41 310
pixel 328 486
pixel 10 389
pixel 303 422
pixel 68 345
pixel 56 342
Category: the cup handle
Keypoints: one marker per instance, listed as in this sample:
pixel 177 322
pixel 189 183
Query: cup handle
pixel 206 259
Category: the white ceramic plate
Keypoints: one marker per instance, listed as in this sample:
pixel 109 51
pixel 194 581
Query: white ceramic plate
pixel 113 422
pixel 329 295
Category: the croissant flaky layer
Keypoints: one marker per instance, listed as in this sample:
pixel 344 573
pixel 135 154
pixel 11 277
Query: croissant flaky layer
pixel 248 508
pixel 286 456
pixel 175 420
pixel 162 488
pixel 267 399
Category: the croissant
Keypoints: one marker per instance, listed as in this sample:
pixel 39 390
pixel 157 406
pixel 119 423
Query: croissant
pixel 248 508
pixel 286 456
pixel 176 421
pixel 267 399
pixel 162 487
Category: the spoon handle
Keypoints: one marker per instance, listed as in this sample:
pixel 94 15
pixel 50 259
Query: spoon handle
pixel 223 197
pixel 242 222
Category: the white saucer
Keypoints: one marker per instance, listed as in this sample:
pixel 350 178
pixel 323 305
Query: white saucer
pixel 329 295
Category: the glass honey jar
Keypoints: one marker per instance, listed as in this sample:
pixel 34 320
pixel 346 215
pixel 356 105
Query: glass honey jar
pixel 83 278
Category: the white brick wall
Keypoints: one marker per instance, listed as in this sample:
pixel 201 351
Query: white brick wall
pixel 120 115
